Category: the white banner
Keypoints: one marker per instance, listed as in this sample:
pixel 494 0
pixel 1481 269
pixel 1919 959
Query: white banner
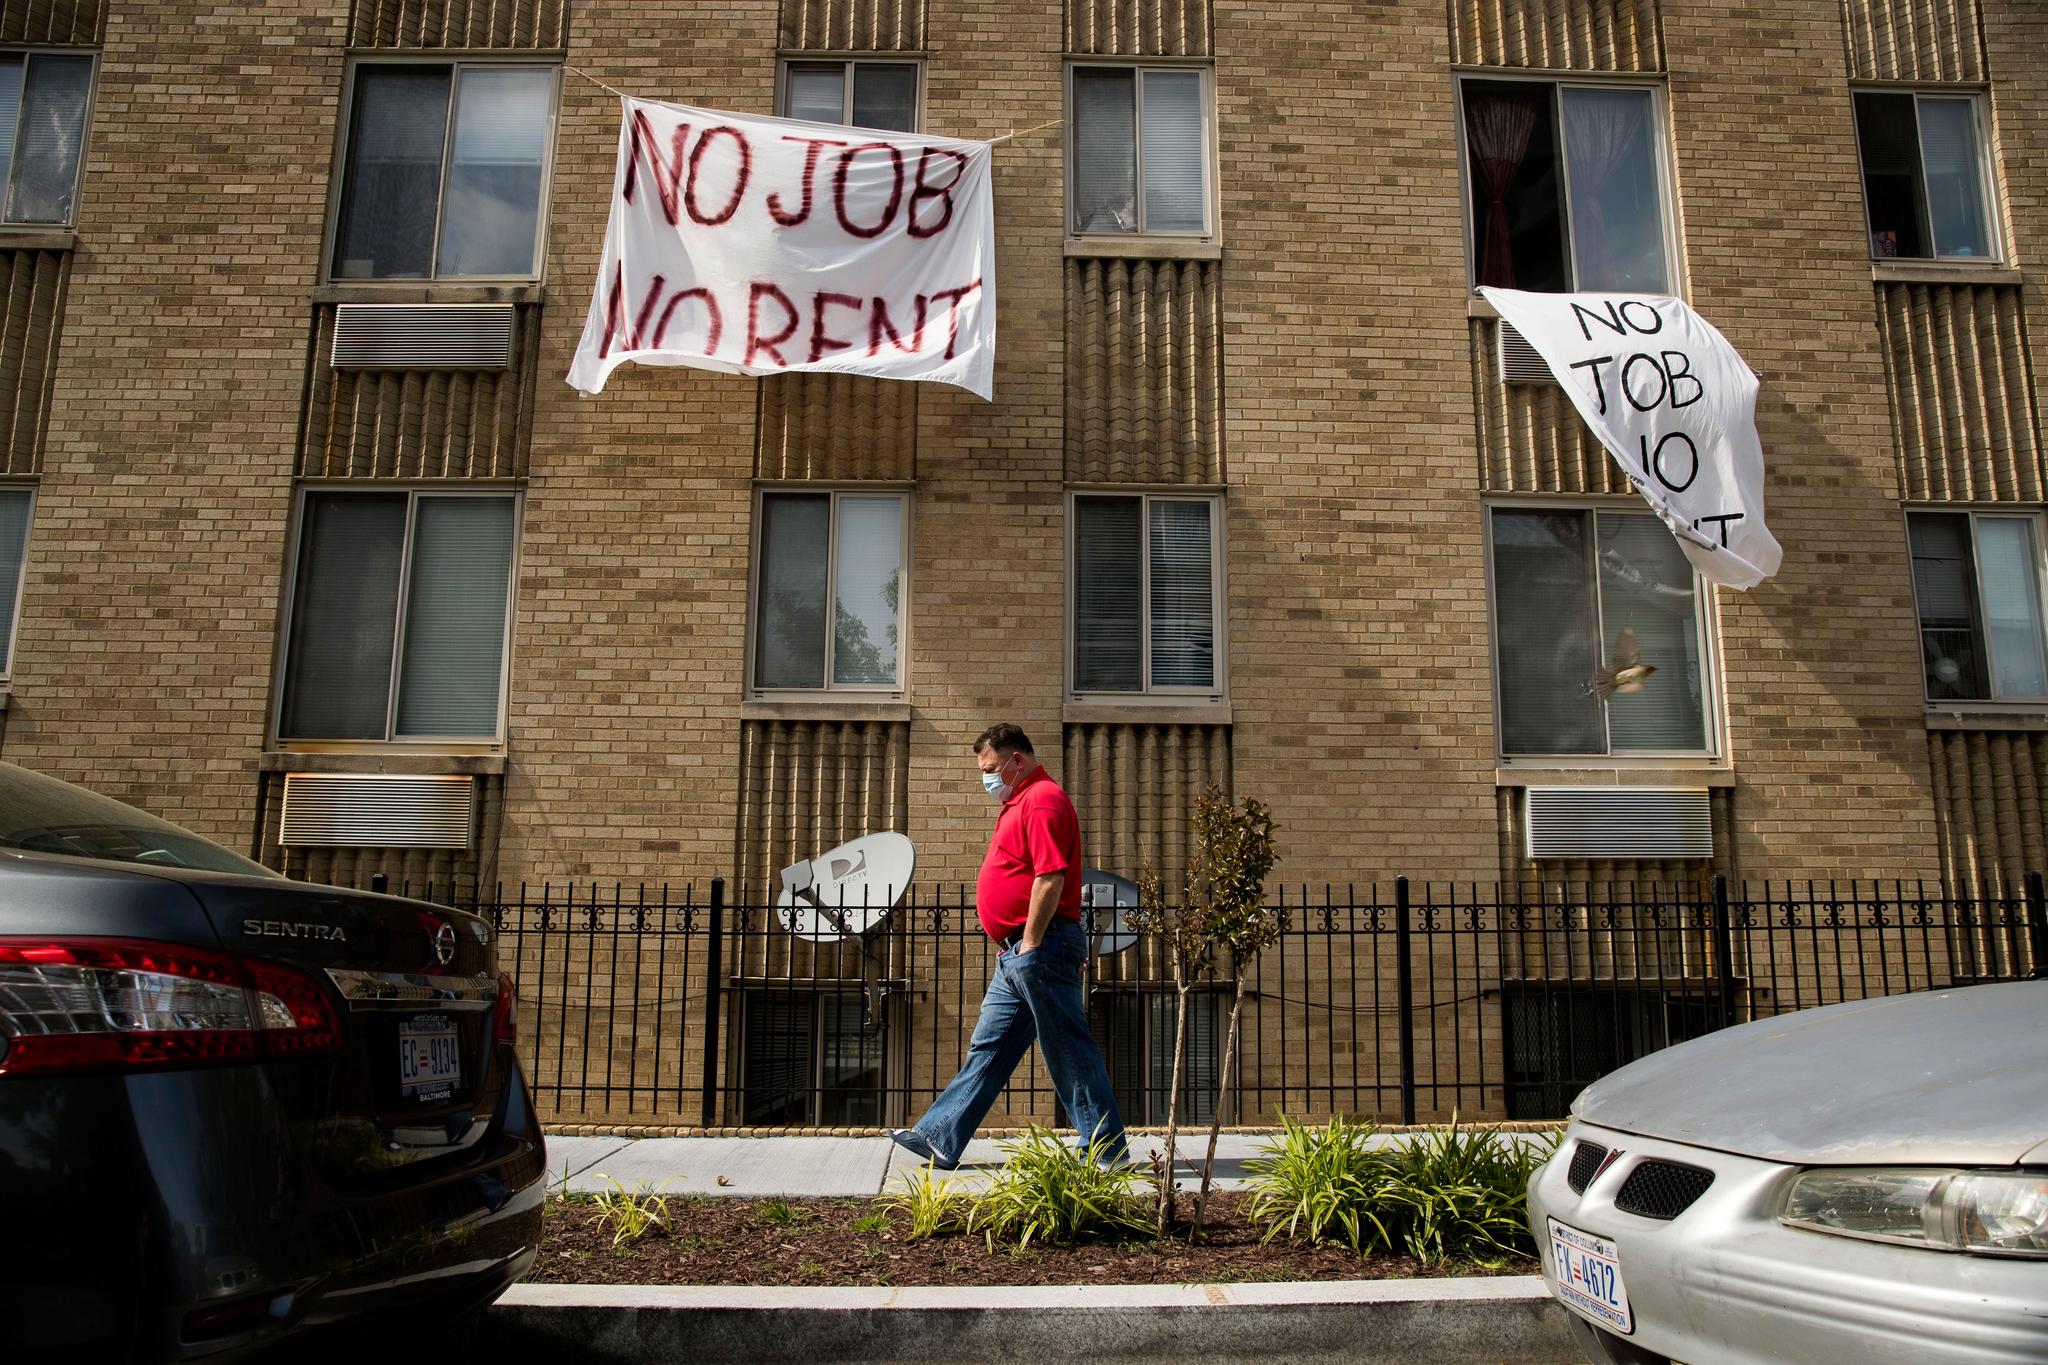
pixel 1674 405
pixel 762 245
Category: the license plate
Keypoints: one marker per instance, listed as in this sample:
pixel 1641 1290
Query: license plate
pixel 1589 1277
pixel 429 1057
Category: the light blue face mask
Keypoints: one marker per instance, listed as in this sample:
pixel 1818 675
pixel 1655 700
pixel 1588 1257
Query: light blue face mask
pixel 993 783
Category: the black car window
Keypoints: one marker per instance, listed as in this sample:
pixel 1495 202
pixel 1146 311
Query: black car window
pixel 43 815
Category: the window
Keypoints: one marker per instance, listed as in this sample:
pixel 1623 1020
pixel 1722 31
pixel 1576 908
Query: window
pixel 1926 179
pixel 1566 187
pixel 445 172
pixel 1134 1029
pixel 16 503
pixel 828 592
pixel 1146 599
pixel 1560 1039
pixel 1138 150
pixel 811 1059
pixel 43 101
pixel 399 614
pixel 1599 638
pixel 1977 577
pixel 879 95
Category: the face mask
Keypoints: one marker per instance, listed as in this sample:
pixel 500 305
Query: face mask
pixel 993 783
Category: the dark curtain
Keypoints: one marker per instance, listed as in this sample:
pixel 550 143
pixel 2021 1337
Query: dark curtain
pixel 1497 127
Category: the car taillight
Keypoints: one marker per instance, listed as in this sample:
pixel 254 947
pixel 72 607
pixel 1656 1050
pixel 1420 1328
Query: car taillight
pixel 102 1004
pixel 508 1010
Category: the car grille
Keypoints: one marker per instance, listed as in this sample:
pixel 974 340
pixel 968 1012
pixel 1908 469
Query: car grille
pixel 1662 1189
pixel 1586 1159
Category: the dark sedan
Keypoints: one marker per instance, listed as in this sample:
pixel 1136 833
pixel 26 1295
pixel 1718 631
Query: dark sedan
pixel 234 1106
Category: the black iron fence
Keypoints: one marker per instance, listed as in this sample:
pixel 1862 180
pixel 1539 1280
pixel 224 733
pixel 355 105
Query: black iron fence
pixel 1399 1001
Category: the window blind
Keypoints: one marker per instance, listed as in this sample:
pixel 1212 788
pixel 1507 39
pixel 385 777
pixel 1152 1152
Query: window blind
pixel 815 91
pixel 1545 630
pixel 1201 1065
pixel 492 219
pixel 885 96
pixel 789 632
pixel 777 1070
pixel 14 515
pixel 2009 563
pixel 388 208
pixel 1176 198
pixel 1108 609
pixel 344 615
pixel 869 565
pixel 1105 150
pixel 1955 195
pixel 453 663
pixel 47 144
pixel 1183 596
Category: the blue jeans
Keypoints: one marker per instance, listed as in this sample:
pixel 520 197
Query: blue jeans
pixel 1035 995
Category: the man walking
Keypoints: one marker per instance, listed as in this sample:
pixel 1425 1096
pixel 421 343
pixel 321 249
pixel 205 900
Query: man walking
pixel 1029 900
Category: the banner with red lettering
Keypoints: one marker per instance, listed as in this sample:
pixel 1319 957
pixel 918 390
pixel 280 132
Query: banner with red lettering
pixel 761 245
pixel 1676 408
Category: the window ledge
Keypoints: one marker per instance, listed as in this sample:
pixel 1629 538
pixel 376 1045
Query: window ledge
pixel 855 709
pixel 1147 248
pixel 1476 307
pixel 1981 717
pixel 1672 775
pixel 1146 711
pixel 419 291
pixel 1944 272
pixel 38 239
pixel 405 764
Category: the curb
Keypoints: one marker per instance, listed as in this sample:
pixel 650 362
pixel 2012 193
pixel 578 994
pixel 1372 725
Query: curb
pixel 629 1130
pixel 1471 1321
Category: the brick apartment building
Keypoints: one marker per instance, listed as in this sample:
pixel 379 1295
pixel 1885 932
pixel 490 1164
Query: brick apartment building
pixel 1263 500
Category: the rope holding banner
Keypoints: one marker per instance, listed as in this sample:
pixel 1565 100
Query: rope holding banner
pixel 1026 132
pixel 596 82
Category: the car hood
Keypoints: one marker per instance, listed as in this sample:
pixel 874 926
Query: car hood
pixel 1941 1077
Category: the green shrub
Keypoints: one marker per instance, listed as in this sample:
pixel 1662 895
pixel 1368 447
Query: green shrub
pixel 932 1203
pixel 627 1215
pixel 1050 1192
pixel 1326 1184
pixel 781 1213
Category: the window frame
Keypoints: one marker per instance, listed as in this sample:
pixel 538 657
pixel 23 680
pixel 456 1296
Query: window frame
pixel 1979 99
pixel 92 91
pixel 1143 242
pixel 848 61
pixel 13 622
pixel 1667 170
pixel 1706 626
pixel 337 187
pixel 1979 628
pixel 829 690
pixel 288 619
pixel 1219 595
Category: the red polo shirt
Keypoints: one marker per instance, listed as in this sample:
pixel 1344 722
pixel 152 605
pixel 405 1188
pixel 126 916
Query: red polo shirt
pixel 1036 833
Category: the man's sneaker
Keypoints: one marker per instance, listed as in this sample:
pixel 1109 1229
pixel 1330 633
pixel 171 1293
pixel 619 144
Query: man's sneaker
pixel 912 1141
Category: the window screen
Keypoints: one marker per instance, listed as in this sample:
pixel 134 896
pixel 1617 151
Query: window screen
pixel 491 221
pixel 345 616
pixel 14 517
pixel 455 617
pixel 828 606
pixel 48 139
pixel 1944 585
pixel 789 647
pixel 1105 150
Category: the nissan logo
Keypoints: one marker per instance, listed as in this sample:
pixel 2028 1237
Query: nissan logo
pixel 444 943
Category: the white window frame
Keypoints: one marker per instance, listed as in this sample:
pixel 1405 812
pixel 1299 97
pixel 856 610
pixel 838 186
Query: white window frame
pixel 848 62
pixel 1987 168
pixel 338 182
pixel 1219 595
pixel 1660 113
pixel 21 579
pixel 92 90
pixel 830 690
pixel 1149 241
pixel 1706 624
pixel 288 622
pixel 1978 628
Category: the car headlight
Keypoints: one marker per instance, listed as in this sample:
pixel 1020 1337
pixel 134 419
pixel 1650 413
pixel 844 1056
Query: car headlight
pixel 1996 1213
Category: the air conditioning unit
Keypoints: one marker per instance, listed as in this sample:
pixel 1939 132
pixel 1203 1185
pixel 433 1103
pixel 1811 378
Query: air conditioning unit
pixel 364 810
pixel 1519 361
pixel 422 336
pixel 1619 822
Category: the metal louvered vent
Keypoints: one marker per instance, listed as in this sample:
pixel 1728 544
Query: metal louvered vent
pixel 1586 1159
pixel 1620 822
pixel 1519 361
pixel 1662 1189
pixel 423 336
pixel 324 810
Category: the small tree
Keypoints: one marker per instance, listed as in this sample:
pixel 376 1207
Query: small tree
pixel 1221 908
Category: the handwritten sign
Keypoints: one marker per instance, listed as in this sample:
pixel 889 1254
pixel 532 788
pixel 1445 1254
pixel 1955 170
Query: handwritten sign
pixel 759 246
pixel 1676 408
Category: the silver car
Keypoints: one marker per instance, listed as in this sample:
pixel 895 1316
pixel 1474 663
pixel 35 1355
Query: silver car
pixel 1864 1182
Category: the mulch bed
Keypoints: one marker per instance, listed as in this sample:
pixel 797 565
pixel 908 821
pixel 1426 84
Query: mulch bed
pixel 815 1242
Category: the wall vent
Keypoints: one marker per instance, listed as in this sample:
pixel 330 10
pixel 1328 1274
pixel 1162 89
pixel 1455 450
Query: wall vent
pixel 1519 361
pixel 423 336
pixel 332 810
pixel 1620 822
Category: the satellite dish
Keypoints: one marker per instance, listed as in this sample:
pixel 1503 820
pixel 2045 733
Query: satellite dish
pixel 1110 896
pixel 848 891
